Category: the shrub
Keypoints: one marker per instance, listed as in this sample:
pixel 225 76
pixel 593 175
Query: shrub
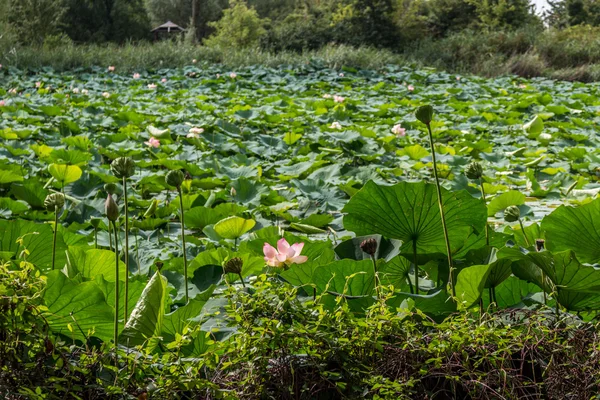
pixel 239 27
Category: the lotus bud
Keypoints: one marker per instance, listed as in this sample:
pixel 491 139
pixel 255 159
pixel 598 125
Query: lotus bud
pixel 474 171
pixel 159 265
pixel 110 188
pixel 233 192
pixel 95 222
pixel 425 114
pixel 512 214
pixel 111 209
pixel 54 201
pixel 174 178
pixel 540 244
pixel 152 209
pixel 233 266
pixel 123 167
pixel 369 246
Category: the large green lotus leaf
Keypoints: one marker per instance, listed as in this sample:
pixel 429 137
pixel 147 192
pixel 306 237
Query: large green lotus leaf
pixel 575 228
pixel 206 276
pixel 347 277
pixel 31 192
pixel 302 274
pixel 512 292
pixel 233 227
pixel 579 300
pixel 7 176
pixel 95 262
pixel 146 318
pixel 386 248
pixel 470 283
pixel 37 239
pixel 175 322
pixel 82 306
pixel 136 287
pixel 64 174
pixel 500 271
pixel 198 346
pixel 200 217
pixel 410 211
pixel 438 304
pixel 565 271
pixel 499 203
pixel 395 272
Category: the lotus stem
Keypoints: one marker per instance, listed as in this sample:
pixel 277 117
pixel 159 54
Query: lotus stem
pixel 441 204
pixel 185 269
pixel 416 266
pixel 375 276
pixel 54 236
pixel 242 280
pixel 110 245
pixel 524 234
pixel 126 245
pixel 487 232
pixel 116 322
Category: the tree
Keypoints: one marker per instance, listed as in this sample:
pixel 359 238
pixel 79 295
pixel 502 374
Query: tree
pixel 35 20
pixel 239 27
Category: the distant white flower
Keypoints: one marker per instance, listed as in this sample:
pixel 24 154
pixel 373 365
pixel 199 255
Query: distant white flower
pixel 136 76
pixel 522 86
pixel 341 74
pixel 458 78
pixel 84 91
pixel 106 95
pixel 111 68
pixel 338 99
pixel 398 130
pixel 326 96
pixel 38 84
pixel 218 76
pixel 76 90
pixel 12 91
pixel 233 75
pixel 195 132
pixel 410 88
pixel 194 61
pixel 335 125
pixel 151 86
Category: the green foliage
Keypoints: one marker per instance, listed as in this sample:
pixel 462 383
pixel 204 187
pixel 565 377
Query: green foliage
pixel 35 20
pixel 240 27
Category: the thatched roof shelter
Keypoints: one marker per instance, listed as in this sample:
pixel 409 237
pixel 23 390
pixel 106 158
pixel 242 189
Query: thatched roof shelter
pixel 166 29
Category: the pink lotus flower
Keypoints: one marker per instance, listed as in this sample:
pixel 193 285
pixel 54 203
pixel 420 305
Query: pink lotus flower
pixel 106 95
pixel 164 80
pixel 195 132
pixel 410 88
pixel 111 68
pixel 398 130
pixel 341 74
pixel 2 103
pixel 151 86
pixel 335 125
pixel 233 75
pixel 38 84
pixel 136 76
pixel 153 142
pixel 284 254
pixel 338 99
pixel 0 66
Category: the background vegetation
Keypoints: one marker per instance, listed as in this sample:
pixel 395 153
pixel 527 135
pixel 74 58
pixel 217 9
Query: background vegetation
pixel 488 38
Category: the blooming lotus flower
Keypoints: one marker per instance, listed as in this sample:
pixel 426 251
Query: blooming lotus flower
pixel 326 96
pixel 153 142
pixel 76 90
pixel 458 78
pixel 398 130
pixel 338 99
pixel 136 76
pixel 38 84
pixel 2 103
pixel 335 125
pixel 410 88
pixel 106 95
pixel 0 66
pixel 164 80
pixel 84 91
pixel 233 75
pixel 151 86
pixel 195 132
pixel 284 254
pixel 111 68
pixel 218 76
pixel 522 86
pixel 12 91
pixel 341 74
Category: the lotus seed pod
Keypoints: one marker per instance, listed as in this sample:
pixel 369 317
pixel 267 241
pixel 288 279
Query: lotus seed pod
pixel 425 114
pixel 54 201
pixel 512 214
pixel 174 178
pixel 95 222
pixel 110 188
pixel 234 266
pixel 474 171
pixel 123 167
pixel 369 246
pixel 111 209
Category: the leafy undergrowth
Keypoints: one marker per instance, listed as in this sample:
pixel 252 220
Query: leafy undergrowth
pixel 289 347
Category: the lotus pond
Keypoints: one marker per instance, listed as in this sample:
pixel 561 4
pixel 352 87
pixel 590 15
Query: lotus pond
pixel 319 178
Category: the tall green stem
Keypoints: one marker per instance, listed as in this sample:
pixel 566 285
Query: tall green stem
pixel 54 236
pixel 126 246
pixel 487 232
pixel 116 322
pixel 524 234
pixel 441 204
pixel 95 238
pixel 185 273
pixel 416 266
pixel 110 236
pixel 376 277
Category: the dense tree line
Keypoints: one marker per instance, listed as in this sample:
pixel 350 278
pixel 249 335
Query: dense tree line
pixel 280 24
